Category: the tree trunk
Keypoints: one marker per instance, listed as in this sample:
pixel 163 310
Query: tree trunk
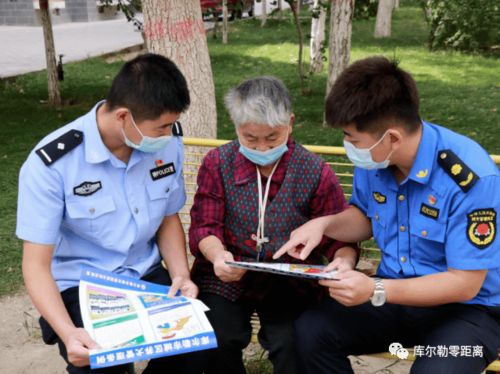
pixel 264 13
pixel 50 54
pixel 339 45
pixel 317 37
pixel 299 7
pixel 224 21
pixel 396 4
pixel 280 9
pixel 384 16
pixel 302 76
pixel 175 29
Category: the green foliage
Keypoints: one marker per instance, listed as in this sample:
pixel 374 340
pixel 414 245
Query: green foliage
pixel 364 9
pixel 472 26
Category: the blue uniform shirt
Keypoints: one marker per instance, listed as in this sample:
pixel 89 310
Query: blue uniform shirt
pixel 95 209
pixel 428 223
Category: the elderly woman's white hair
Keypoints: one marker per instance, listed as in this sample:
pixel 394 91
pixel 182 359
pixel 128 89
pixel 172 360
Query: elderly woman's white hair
pixel 262 100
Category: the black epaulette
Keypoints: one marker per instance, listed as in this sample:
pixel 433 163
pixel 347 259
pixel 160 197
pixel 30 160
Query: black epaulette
pixel 57 148
pixel 457 169
pixel 177 129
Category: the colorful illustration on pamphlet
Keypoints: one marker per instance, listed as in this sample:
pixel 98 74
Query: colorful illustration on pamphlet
pixel 169 329
pixel 306 269
pixel 153 300
pixel 105 303
pixel 118 332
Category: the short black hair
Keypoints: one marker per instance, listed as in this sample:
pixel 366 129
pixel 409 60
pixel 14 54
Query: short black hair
pixel 371 94
pixel 149 86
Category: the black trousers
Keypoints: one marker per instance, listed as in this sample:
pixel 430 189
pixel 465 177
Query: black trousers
pixel 329 333
pixel 277 312
pixel 189 363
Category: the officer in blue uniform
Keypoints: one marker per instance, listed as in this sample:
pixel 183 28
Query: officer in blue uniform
pixel 104 191
pixel 430 198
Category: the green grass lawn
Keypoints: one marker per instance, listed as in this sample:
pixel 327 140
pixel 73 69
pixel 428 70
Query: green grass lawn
pixel 459 91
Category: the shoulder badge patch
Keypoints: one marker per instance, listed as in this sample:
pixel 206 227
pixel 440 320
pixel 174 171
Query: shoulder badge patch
pixel 481 227
pixel 177 129
pixel 429 211
pixel 162 171
pixel 87 188
pixel 379 198
pixel 457 170
pixel 57 148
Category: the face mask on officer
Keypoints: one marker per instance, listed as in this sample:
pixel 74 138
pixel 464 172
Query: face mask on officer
pixel 362 157
pixel 147 143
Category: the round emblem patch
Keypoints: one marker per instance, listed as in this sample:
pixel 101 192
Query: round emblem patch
pixel 481 227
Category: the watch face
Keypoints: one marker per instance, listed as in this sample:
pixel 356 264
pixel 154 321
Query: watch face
pixel 378 298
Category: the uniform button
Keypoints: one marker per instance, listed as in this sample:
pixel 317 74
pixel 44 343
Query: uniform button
pixel 376 217
pixel 136 210
pixel 403 259
pixel 402 228
pixel 424 233
pixel 401 197
pixel 92 210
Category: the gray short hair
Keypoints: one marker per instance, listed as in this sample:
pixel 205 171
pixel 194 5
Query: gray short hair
pixel 262 100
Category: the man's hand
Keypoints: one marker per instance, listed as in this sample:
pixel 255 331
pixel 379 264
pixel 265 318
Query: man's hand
pixel 350 287
pixel 303 240
pixel 186 285
pixel 341 264
pixel 225 272
pixel 78 343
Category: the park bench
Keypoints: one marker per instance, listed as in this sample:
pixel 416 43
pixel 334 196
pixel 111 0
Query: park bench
pixel 195 150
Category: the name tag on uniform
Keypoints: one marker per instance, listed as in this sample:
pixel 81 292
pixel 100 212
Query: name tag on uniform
pixel 162 171
pixel 429 211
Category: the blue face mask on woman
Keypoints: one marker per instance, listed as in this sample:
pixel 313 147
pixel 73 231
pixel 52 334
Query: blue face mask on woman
pixel 264 158
pixel 147 143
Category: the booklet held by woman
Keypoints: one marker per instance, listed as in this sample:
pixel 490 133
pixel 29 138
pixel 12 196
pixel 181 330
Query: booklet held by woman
pixel 294 270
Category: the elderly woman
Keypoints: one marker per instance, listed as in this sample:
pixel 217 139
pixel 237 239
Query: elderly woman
pixel 252 193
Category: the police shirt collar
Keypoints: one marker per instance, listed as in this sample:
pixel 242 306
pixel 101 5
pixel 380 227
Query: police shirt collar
pixel 95 150
pixel 426 155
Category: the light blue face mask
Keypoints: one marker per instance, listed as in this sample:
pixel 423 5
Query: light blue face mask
pixel 264 158
pixel 362 157
pixel 147 144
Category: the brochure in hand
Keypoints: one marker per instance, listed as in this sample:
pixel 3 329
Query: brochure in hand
pixel 294 270
pixel 134 320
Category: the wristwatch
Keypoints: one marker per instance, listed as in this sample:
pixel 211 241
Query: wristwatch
pixel 378 297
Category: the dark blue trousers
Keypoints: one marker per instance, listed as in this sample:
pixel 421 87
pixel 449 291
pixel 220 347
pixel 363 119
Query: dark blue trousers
pixel 189 363
pixel 327 334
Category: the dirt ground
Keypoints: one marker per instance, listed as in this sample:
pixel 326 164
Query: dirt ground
pixel 22 350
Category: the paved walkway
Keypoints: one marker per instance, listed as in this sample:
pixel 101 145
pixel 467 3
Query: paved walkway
pixel 23 49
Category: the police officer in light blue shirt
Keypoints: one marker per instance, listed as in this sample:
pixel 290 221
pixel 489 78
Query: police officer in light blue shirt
pixel 430 198
pixel 104 191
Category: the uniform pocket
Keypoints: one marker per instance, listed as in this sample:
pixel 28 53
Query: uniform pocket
pixel 427 240
pixel 159 197
pixel 378 220
pixel 87 217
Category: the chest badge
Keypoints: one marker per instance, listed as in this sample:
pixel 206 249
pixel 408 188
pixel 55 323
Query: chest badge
pixel 87 188
pixel 432 199
pixel 162 170
pixel 481 227
pixel 379 198
pixel 429 211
